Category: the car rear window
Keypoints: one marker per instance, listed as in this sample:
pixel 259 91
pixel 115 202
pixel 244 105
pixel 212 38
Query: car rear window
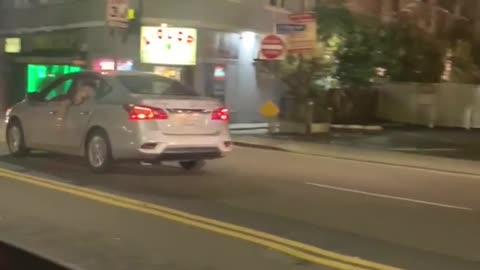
pixel 155 85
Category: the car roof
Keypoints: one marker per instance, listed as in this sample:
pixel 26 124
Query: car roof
pixel 139 73
pixel 114 74
pixel 111 73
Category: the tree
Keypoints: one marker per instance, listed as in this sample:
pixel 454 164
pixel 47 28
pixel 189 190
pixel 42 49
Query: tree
pixel 351 50
pixel 400 50
pixel 356 60
pixel 410 55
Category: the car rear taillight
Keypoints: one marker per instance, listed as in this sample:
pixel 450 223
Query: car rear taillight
pixel 221 114
pixel 140 112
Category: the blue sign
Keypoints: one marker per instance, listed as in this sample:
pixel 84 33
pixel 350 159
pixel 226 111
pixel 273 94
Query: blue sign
pixel 288 28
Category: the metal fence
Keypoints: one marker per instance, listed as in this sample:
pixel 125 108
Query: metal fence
pixel 442 105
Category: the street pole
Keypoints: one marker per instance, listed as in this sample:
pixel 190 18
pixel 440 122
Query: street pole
pixel 272 121
pixel 274 20
pixel 310 104
pixel 115 49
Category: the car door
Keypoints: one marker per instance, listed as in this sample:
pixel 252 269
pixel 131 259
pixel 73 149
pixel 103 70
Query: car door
pixel 43 120
pixel 78 117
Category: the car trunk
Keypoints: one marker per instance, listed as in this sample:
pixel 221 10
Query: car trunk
pixel 187 116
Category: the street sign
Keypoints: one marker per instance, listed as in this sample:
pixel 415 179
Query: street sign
pixel 288 28
pixel 301 17
pixel 269 110
pixel 273 47
pixel 117 13
pixel 306 40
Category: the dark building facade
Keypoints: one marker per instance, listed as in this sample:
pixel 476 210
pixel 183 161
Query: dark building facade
pixel 44 38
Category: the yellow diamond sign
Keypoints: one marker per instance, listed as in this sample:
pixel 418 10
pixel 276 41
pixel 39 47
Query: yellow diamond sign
pixel 269 110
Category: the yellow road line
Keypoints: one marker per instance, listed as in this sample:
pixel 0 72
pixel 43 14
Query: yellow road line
pixel 290 247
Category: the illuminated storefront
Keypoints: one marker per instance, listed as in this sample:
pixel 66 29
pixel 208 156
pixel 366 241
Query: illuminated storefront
pixel 40 75
pixel 35 59
pixel 105 65
pixel 217 64
pixel 169 51
pixel 169 72
pixel 215 81
pixel 218 68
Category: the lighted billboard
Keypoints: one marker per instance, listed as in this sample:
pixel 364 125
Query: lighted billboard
pixel 168 45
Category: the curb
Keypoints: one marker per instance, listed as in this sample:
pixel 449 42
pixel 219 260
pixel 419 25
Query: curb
pixel 260 146
pixel 346 158
pixel 358 127
pixel 243 129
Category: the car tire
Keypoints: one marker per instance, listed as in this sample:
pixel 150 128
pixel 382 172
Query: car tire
pixel 16 139
pixel 98 152
pixel 192 165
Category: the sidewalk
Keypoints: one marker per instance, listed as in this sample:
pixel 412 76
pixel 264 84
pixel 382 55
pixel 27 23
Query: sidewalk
pixel 455 151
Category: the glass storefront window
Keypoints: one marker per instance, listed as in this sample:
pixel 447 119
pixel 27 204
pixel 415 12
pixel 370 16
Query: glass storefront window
pixel 40 75
pixel 215 81
pixel 174 73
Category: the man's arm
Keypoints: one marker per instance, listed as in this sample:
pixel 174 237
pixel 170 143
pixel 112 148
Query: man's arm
pixel 64 105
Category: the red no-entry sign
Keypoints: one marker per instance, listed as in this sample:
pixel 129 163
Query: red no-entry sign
pixel 272 47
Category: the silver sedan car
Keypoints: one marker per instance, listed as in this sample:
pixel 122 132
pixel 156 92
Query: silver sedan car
pixel 120 116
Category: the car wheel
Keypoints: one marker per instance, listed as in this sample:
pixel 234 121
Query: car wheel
pixel 98 152
pixel 192 165
pixel 16 140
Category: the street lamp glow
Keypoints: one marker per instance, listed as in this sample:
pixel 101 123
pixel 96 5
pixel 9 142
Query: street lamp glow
pixel 248 39
pixel 248 35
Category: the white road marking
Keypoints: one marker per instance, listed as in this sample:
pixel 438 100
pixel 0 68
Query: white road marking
pixel 382 164
pixel 424 149
pixel 389 197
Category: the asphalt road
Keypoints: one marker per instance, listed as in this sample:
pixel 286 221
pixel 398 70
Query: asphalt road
pixel 90 235
pixel 407 218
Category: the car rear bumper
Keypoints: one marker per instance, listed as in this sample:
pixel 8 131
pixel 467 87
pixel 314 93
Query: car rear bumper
pixel 180 154
pixel 173 148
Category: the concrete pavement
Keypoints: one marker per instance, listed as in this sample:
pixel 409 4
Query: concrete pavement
pixel 440 142
pixel 430 160
pixel 400 216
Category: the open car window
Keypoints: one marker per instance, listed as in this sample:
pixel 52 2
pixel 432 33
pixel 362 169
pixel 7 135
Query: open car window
pixel 58 91
pixel 96 83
